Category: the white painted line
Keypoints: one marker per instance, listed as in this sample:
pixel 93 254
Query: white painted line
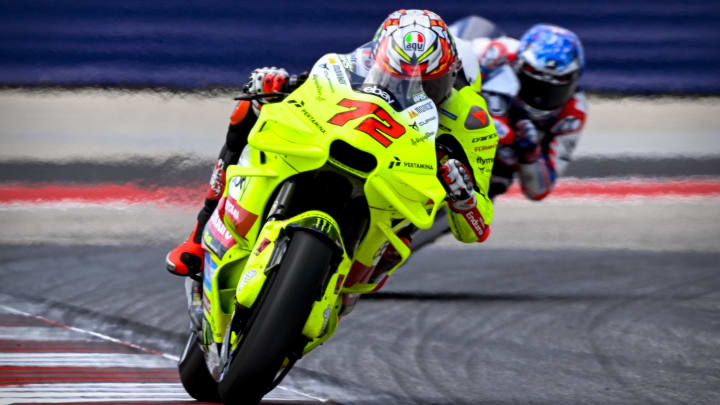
pixel 93 392
pixel 151 360
pixel 91 333
pixel 41 334
pixel 84 360
pixel 296 392
pixel 58 393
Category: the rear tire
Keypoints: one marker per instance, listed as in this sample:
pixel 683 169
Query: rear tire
pixel 194 373
pixel 276 329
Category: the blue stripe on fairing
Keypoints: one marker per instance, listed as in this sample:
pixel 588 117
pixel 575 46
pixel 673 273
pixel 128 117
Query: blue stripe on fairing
pixel 209 271
pixel 550 170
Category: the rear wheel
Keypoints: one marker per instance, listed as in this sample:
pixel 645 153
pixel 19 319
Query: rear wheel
pixel 275 329
pixel 194 373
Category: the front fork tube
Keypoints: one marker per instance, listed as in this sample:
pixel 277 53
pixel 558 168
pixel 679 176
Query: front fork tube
pixel 193 294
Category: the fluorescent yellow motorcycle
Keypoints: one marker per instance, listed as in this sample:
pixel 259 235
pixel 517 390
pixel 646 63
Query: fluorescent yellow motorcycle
pixel 332 177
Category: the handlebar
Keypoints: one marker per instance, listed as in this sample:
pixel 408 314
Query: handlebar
pixel 261 95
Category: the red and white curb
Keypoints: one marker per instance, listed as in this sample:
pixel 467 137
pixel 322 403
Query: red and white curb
pixel 43 361
pixel 566 188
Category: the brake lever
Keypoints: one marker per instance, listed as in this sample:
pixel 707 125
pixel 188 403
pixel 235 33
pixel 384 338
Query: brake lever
pixel 261 95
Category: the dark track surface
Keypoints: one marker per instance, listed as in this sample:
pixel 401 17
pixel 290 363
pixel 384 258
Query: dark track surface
pixel 494 326
pixel 182 170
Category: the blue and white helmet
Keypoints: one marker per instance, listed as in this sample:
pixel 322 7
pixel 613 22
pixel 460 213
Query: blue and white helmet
pixel 549 63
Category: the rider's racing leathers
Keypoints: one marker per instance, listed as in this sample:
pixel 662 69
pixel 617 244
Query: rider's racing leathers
pixel 558 131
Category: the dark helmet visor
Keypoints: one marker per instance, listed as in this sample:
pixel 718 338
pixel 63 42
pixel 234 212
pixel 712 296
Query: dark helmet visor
pixel 546 95
pixel 438 89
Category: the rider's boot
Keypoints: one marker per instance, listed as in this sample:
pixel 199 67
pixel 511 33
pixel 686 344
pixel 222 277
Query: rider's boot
pixel 187 259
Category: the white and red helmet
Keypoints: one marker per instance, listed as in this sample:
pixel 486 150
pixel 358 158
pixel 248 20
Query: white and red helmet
pixel 412 43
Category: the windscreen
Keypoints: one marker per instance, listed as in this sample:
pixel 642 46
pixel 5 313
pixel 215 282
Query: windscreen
pixel 371 77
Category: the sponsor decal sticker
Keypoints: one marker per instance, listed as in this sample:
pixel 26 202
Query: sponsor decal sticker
pixel 423 138
pixel 448 114
pixel 424 107
pixel 245 278
pixel 265 243
pixel 326 73
pixel 414 41
pixel 477 118
pixel 242 219
pixel 346 64
pixel 482 161
pixel 339 74
pixel 237 181
pixel 318 89
pixel 484 138
pixel 307 115
pixel 482 148
pixel 475 223
pixel 397 163
pixel 217 237
pixel 418 97
pixel 427 121
pixel 380 92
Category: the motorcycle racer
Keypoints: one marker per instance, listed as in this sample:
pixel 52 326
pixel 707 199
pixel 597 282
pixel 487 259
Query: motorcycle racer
pixel 538 109
pixel 408 44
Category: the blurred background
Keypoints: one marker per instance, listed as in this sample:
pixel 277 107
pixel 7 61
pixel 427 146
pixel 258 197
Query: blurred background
pixel 111 113
pixel 638 47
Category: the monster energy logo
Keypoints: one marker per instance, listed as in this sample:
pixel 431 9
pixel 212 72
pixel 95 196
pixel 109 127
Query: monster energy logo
pixel 322 225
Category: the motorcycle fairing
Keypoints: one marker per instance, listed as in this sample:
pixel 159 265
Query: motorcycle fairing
pixel 295 136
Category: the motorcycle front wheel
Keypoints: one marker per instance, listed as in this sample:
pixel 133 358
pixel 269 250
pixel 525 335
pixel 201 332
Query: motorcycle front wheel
pixel 275 327
pixel 194 375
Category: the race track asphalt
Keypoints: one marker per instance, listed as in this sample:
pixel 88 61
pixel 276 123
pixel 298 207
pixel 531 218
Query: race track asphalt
pixel 494 326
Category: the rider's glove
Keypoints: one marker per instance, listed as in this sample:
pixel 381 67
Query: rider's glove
pixel 265 80
pixel 458 185
pixel 527 141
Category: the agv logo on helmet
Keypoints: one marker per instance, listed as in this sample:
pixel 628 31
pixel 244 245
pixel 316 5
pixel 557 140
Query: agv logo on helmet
pixel 414 41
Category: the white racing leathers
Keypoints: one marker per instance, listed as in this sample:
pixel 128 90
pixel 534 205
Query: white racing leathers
pixel 559 134
pixel 559 130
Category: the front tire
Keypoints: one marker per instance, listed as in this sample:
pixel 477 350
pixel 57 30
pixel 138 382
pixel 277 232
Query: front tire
pixel 276 327
pixel 194 373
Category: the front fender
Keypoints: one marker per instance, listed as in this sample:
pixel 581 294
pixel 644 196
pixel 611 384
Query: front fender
pixel 271 245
